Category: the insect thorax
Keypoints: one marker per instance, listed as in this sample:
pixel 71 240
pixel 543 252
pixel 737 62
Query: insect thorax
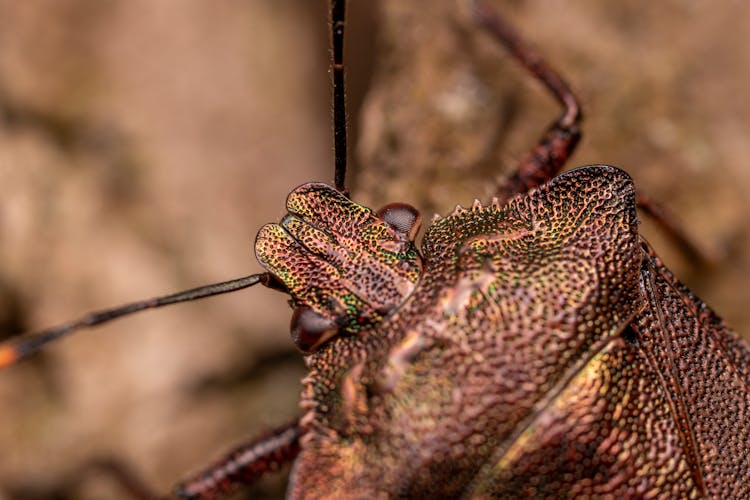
pixel 463 342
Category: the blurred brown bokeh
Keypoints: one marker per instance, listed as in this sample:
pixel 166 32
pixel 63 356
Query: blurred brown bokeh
pixel 143 143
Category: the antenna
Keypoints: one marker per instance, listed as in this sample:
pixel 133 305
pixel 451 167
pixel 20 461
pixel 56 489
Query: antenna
pixel 338 21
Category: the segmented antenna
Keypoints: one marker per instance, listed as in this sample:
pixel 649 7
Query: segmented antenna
pixel 18 348
pixel 338 19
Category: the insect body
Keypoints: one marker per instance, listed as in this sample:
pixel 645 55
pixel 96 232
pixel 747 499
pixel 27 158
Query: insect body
pixel 393 376
pixel 560 360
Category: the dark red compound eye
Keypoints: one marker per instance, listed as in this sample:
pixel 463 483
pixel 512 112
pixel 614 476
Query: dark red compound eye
pixel 311 329
pixel 402 217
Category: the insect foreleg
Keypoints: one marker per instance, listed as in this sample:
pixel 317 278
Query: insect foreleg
pixel 244 465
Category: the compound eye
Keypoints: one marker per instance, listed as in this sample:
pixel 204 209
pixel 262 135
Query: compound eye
pixel 311 329
pixel 402 217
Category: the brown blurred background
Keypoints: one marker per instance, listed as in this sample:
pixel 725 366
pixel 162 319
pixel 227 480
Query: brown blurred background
pixel 143 143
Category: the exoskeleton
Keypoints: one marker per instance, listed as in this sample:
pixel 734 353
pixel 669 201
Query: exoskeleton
pixel 530 345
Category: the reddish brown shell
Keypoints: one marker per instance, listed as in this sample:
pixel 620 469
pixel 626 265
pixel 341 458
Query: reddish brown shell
pixel 533 357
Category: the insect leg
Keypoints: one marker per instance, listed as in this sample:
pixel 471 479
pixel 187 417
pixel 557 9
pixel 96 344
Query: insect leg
pixel 558 142
pixel 672 228
pixel 548 157
pixel 244 465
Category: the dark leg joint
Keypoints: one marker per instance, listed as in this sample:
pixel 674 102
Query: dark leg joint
pixel 672 228
pixel 542 163
pixel 244 465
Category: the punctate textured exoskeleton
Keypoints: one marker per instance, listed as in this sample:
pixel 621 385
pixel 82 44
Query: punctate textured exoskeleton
pixel 456 89
pixel 537 348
